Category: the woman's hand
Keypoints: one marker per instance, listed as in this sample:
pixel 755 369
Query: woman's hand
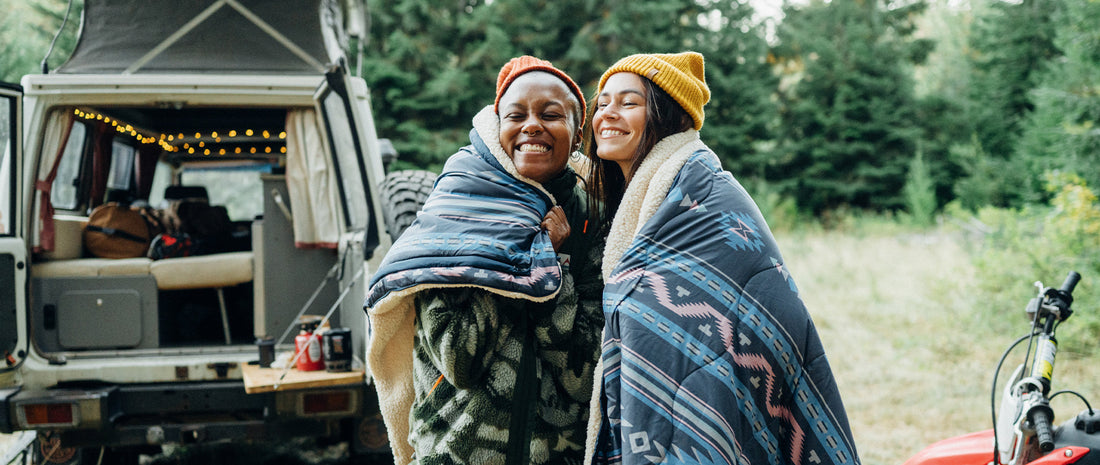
pixel 557 225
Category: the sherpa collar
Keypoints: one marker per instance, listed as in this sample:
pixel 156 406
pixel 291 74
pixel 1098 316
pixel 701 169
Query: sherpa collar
pixel 487 127
pixel 646 190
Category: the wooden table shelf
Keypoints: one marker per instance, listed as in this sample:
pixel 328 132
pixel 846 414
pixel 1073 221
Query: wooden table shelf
pixel 258 379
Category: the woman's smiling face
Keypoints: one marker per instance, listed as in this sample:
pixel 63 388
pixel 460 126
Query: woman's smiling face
pixel 538 124
pixel 620 119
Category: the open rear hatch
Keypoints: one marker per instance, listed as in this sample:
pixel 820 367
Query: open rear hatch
pixel 207 36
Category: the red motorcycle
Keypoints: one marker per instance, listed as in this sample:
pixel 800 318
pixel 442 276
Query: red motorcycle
pixel 1022 428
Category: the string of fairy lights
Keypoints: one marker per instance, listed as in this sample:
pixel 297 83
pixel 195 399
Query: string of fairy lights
pixel 215 143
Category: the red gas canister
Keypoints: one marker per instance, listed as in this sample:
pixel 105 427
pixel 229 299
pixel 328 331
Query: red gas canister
pixel 307 345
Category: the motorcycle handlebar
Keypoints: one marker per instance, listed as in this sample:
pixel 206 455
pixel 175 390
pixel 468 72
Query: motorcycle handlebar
pixel 1041 419
pixel 1071 282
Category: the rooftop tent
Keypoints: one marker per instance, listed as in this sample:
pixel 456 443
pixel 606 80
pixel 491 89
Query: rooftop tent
pixel 206 36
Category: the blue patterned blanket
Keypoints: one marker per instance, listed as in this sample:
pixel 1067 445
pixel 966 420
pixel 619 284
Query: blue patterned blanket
pixel 709 355
pixel 480 227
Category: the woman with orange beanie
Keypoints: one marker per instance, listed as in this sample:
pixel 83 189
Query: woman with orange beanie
pixel 709 355
pixel 484 315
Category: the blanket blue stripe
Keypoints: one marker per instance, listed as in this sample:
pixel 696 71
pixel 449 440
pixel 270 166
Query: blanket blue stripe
pixel 481 227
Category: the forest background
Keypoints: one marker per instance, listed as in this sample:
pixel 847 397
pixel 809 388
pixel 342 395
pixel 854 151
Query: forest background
pixel 956 140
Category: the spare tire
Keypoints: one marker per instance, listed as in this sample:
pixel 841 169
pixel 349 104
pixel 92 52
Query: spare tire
pixel 405 192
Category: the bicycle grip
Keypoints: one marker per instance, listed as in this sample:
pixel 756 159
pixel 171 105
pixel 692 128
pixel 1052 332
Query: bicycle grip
pixel 1071 282
pixel 1041 420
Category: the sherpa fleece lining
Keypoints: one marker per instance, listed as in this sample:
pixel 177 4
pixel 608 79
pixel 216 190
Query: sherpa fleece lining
pixel 644 194
pixel 393 321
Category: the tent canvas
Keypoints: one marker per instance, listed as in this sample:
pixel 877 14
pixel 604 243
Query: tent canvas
pixel 206 36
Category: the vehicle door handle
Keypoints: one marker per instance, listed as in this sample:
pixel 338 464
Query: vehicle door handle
pixel 282 205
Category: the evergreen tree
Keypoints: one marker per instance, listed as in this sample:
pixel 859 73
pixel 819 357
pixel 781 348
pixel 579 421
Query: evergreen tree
pixel 847 103
pixel 741 117
pixel 1063 131
pixel 1011 43
pixel 943 125
pixel 942 85
pixel 26 30
pixel 976 190
pixel 427 68
pixel 613 29
pixel 920 195
pixel 432 66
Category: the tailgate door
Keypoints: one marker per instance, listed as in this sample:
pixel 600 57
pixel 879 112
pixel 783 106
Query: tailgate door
pixel 13 250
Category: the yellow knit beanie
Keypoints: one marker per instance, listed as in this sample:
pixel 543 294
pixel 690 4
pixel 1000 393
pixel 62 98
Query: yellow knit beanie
pixel 679 74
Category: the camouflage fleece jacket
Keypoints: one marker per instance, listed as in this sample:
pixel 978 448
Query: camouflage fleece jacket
pixel 501 333
pixel 507 381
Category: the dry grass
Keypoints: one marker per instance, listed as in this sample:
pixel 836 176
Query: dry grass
pixel 913 361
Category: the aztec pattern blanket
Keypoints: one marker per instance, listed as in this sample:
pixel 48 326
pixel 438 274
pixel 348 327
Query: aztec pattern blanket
pixel 480 227
pixel 709 355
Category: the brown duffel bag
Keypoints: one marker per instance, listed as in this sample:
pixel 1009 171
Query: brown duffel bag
pixel 118 231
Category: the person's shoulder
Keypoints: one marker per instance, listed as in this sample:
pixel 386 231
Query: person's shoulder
pixel 461 157
pixel 704 158
pixel 699 169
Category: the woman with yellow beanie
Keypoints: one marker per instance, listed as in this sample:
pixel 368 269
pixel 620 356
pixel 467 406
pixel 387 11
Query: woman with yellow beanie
pixel 709 355
pixel 485 314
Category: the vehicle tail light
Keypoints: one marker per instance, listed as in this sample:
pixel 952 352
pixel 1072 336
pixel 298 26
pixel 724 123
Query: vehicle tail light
pixel 61 408
pixel 50 414
pixel 326 402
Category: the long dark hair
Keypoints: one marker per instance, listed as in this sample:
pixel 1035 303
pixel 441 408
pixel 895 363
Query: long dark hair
pixel 605 180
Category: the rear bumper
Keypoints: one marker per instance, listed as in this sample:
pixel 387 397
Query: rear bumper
pixel 184 413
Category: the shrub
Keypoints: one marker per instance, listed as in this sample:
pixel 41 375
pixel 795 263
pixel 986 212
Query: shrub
pixel 1042 243
pixel 920 193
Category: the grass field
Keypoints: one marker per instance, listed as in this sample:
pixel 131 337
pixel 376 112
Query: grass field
pixel 911 354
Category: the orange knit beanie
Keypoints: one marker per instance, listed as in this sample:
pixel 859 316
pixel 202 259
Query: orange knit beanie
pixel 525 64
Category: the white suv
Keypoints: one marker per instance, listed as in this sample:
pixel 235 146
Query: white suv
pixel 246 106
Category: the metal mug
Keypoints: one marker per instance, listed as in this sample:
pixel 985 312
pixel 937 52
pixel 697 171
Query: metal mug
pixel 336 344
pixel 267 351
